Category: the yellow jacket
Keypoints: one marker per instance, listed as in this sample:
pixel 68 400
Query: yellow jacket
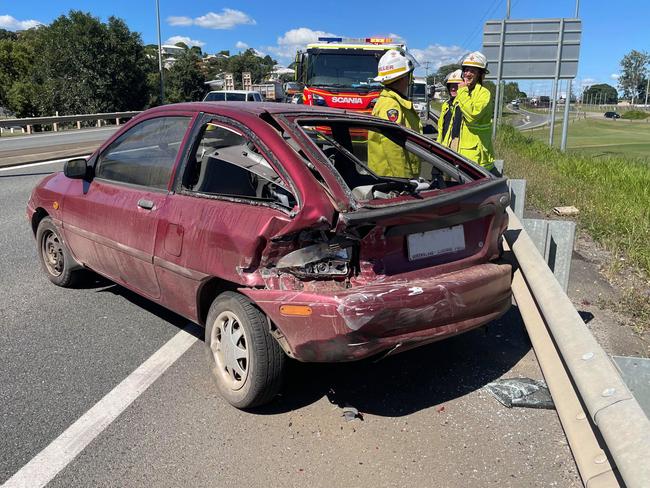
pixel 444 138
pixel 476 130
pixel 385 157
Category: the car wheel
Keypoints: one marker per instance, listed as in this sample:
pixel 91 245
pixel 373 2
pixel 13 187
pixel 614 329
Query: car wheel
pixel 55 258
pixel 246 361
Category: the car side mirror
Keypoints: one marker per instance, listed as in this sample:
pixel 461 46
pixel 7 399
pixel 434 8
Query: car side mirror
pixel 76 168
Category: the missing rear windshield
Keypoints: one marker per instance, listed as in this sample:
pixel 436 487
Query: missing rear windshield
pixel 378 162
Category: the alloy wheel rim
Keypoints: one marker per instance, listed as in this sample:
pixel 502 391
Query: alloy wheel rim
pixel 229 345
pixel 52 251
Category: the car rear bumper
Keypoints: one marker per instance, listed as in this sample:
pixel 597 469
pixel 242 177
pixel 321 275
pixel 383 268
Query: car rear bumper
pixel 354 323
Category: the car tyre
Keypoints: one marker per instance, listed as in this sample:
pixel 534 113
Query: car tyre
pixel 56 260
pixel 246 362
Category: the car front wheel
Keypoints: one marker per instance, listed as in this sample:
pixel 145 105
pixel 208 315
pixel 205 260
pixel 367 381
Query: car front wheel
pixel 246 361
pixel 55 258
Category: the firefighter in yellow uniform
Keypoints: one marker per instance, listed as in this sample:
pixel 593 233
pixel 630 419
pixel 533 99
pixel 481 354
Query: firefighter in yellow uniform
pixel 386 158
pixel 450 119
pixel 475 103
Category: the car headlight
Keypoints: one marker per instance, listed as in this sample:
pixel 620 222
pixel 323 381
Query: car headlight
pixel 318 100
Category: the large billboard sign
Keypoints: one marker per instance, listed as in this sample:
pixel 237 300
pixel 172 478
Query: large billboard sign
pixel 532 49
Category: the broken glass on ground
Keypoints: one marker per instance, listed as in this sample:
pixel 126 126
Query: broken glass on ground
pixel 521 392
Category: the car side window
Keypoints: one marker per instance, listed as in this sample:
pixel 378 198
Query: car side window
pixel 145 154
pixel 228 164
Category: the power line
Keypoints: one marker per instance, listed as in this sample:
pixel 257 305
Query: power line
pixel 490 11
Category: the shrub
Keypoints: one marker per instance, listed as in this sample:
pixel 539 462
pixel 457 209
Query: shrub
pixel 635 115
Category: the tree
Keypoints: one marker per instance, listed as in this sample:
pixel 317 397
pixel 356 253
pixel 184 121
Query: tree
pixel 601 93
pixel 184 80
pixel 77 64
pixel 442 73
pixel 512 92
pixel 633 72
pixel 259 67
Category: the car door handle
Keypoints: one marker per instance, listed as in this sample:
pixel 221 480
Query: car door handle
pixel 146 204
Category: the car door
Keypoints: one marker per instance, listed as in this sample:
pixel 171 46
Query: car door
pixel 110 222
pixel 228 202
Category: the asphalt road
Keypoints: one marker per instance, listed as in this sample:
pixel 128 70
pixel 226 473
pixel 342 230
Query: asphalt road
pixel 51 145
pixel 426 419
pixel 529 120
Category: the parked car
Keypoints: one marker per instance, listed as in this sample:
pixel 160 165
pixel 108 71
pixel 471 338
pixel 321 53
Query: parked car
pixel 264 224
pixel 233 96
pixel 612 115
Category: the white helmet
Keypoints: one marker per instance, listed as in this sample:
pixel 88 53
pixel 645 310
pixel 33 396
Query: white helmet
pixel 454 77
pixel 476 59
pixel 395 64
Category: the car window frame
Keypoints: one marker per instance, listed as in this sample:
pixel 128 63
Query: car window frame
pixel 96 158
pixel 241 129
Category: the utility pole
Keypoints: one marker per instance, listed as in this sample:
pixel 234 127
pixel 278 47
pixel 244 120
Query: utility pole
pixel 160 64
pixel 426 85
pixel 647 86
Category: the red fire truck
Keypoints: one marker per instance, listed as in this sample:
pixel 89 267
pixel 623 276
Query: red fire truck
pixel 338 72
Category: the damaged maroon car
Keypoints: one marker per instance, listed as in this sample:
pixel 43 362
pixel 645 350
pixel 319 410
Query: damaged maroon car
pixel 264 223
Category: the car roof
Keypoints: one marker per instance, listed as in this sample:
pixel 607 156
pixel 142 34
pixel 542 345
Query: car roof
pixel 256 109
pixel 234 91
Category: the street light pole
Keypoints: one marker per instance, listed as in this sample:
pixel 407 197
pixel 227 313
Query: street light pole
pixel 160 64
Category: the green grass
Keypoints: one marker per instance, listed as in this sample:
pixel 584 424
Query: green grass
pixel 603 138
pixel 635 115
pixel 611 192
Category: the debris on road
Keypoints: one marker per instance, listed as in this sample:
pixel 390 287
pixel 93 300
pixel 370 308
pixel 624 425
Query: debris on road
pixel 566 211
pixel 351 413
pixel 521 392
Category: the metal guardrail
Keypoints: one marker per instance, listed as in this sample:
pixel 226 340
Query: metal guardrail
pixel 617 415
pixel 29 122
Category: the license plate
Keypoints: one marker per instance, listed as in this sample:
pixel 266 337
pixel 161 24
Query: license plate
pixel 435 242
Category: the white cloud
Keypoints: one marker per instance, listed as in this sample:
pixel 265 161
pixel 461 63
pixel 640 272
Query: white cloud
pixel 438 55
pixel 615 76
pixel 10 23
pixel 241 45
pixel 186 40
pixel 295 39
pixel 587 82
pixel 227 19
pixel 179 20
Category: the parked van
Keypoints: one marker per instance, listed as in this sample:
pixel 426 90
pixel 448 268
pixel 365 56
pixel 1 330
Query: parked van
pixel 233 96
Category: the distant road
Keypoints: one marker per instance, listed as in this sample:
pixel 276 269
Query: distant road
pixel 530 120
pixel 51 145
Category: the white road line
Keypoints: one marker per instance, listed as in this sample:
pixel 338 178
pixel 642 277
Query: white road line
pixel 51 460
pixel 31 165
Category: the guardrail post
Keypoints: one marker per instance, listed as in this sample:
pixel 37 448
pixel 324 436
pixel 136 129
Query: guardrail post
pixel 78 124
pixel 99 122
pixel 117 121
pixel 55 126
pixel 498 165
pixel 29 129
pixel 517 196
pixel 554 241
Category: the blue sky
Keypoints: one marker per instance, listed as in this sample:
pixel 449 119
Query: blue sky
pixel 610 29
